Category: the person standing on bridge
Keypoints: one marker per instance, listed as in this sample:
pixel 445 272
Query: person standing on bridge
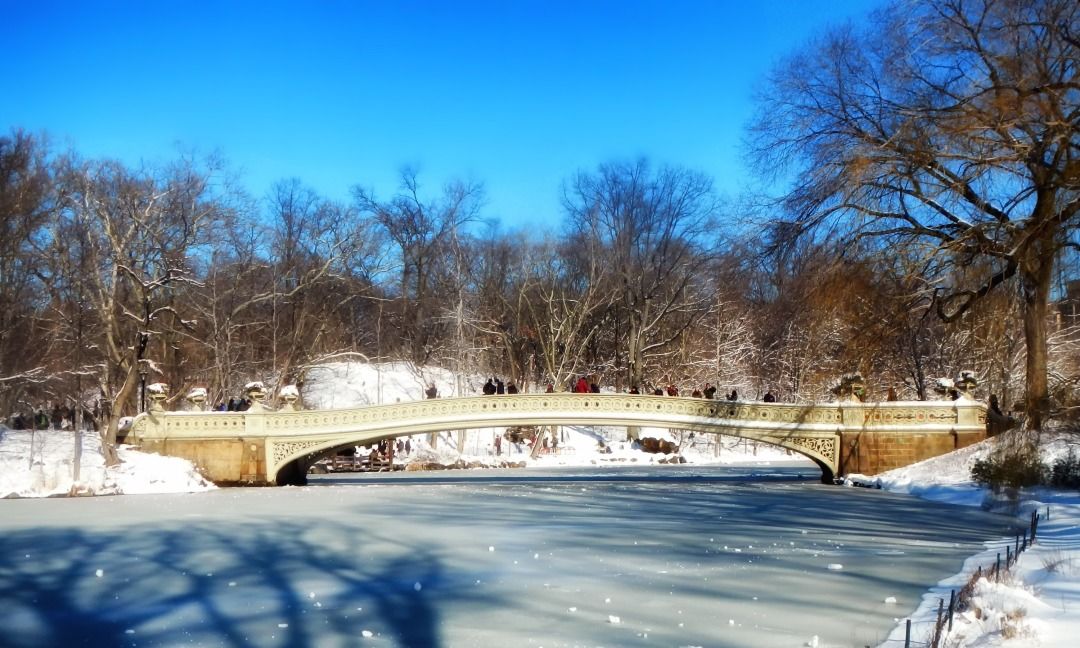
pixel 500 388
pixel 769 398
pixel 489 387
pixel 431 391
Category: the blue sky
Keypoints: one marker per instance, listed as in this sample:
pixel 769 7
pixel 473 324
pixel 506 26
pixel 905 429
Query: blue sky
pixel 516 95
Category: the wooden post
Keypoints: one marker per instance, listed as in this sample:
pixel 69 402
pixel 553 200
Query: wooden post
pixel 952 606
pixel 937 626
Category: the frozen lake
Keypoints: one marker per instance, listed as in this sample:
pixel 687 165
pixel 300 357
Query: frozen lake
pixel 648 556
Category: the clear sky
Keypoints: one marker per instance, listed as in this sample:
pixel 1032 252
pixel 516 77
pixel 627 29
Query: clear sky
pixel 516 95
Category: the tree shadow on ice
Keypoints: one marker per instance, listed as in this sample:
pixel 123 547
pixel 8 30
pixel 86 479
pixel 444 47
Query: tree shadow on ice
pixel 264 584
pixel 889 543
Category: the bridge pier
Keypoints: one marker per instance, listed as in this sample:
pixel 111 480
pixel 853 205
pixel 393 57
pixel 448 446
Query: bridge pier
pixel 873 452
pixel 238 461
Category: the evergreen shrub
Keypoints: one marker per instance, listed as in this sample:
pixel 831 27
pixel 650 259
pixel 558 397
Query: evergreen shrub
pixel 1065 473
pixel 1015 469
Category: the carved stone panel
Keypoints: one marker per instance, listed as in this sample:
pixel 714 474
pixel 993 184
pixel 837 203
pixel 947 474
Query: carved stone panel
pixel 281 452
pixel 827 448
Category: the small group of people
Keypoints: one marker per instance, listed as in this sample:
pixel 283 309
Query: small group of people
pixel 234 405
pixel 584 385
pixel 587 384
pixel 57 418
pixel 708 391
pixel 35 421
pixel 497 386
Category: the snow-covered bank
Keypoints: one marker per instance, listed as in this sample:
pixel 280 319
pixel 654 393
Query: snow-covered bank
pixel 41 464
pixel 1038 604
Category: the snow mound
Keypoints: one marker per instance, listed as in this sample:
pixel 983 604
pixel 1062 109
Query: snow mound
pixel 41 464
pixel 338 385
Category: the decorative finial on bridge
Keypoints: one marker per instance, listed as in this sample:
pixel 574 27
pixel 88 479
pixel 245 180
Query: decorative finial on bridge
pixel 256 392
pixel 197 396
pixel 157 392
pixel 291 395
pixel 966 384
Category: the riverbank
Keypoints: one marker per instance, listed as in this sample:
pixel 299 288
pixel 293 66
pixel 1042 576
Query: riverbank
pixel 1038 603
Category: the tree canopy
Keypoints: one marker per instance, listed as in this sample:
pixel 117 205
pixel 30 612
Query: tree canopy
pixel 948 130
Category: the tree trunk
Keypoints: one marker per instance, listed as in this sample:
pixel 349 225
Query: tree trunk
pixel 111 429
pixel 635 355
pixel 1035 278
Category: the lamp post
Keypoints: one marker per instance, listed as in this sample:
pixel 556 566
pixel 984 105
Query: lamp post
pixel 142 390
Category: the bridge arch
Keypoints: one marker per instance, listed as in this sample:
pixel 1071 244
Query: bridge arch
pixel 806 430
pixel 294 468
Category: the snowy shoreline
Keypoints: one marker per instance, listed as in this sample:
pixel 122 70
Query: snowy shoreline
pixel 1038 602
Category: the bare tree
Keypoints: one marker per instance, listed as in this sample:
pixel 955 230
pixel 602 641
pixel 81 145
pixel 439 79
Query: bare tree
pixel 27 202
pixel 422 232
pixel 651 229
pixel 948 126
pixel 561 298
pixel 142 228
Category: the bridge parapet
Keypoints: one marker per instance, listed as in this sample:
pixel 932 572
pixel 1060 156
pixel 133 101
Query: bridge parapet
pixel 262 443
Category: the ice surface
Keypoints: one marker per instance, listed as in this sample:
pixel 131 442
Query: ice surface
pixel 640 544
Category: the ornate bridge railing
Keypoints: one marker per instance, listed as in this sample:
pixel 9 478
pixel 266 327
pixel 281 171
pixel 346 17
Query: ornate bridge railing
pixel 272 446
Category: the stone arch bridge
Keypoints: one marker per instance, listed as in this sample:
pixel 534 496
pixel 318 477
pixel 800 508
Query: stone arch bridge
pixel 266 447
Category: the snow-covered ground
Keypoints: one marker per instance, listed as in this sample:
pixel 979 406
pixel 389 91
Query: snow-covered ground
pixel 1039 605
pixel 41 464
